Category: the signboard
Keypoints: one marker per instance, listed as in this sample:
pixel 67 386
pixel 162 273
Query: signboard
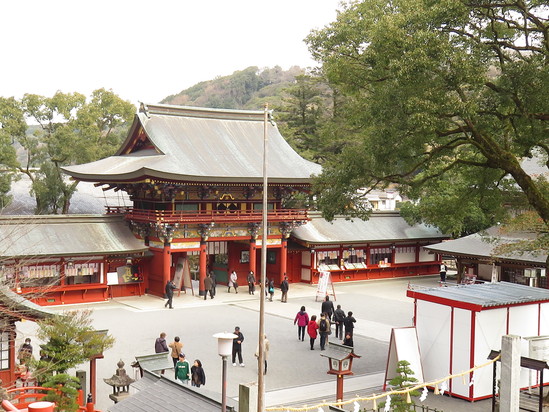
pixel 538 347
pixel 182 275
pixel 403 346
pixel 324 286
pixel 128 274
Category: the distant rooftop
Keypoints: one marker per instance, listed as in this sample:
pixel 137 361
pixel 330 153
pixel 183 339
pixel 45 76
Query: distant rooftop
pixel 382 226
pixel 482 246
pixel 482 296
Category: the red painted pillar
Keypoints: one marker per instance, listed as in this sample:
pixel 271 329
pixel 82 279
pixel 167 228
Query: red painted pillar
pixel 283 258
pixel 93 377
pixel 202 269
pixel 339 391
pixel 166 264
pixel 252 263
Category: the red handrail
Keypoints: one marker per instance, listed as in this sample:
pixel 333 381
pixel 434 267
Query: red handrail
pixel 207 216
pixel 25 395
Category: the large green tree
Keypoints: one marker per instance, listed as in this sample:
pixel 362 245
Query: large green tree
pixel 12 127
pixel 70 130
pixel 443 98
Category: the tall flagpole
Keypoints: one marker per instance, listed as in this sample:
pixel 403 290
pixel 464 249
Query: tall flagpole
pixel 263 288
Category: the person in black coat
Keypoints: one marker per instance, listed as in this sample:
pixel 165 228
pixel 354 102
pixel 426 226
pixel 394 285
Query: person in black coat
pixel 339 317
pixel 348 341
pixel 327 307
pixel 198 377
pixel 349 323
pixel 170 287
pixel 237 346
pixel 284 287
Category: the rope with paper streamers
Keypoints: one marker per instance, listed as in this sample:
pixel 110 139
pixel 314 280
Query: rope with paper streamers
pixel 387 395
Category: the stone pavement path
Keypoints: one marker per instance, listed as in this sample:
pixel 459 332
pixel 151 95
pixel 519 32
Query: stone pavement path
pixel 296 375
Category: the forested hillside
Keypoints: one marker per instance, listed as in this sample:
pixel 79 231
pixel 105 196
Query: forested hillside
pixel 301 100
pixel 250 89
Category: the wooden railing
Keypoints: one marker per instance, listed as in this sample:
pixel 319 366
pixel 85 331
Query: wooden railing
pixel 25 395
pixel 207 216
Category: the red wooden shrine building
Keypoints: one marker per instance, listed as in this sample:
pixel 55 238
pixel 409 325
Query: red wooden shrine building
pixel 194 178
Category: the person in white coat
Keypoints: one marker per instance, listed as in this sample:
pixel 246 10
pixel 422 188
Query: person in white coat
pixel 233 281
pixel 265 352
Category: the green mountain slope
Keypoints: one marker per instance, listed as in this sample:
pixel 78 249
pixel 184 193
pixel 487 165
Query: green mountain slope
pixel 249 89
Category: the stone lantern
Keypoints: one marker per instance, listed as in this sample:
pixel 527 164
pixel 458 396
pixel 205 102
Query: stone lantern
pixel 120 383
pixel 340 362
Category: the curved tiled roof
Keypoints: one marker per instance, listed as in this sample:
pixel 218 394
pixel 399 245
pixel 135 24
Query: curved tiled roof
pixel 483 246
pixel 197 144
pixel 380 227
pixel 66 235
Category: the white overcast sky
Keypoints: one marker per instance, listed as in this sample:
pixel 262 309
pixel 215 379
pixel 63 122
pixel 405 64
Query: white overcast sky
pixel 147 50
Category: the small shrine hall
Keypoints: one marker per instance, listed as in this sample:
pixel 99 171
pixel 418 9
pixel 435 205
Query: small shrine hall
pixel 195 178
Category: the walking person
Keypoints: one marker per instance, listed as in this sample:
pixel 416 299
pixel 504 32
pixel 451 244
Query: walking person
pixel 271 289
pixel 183 369
pixel 339 317
pixel 443 272
pixel 312 329
pixel 349 323
pixel 302 320
pixel 176 346
pixel 214 282
pixel 327 307
pixel 160 346
pixel 251 283
pixel 237 346
pixel 233 281
pixel 323 329
pixel 170 287
pixel 284 287
pixel 266 347
pixel 198 377
pixel 208 287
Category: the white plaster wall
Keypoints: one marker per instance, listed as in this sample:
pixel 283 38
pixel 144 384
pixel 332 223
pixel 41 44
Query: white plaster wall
pixel 485 272
pixel 306 258
pixel 433 331
pixel 491 325
pixel 461 350
pixel 405 257
pixel 425 256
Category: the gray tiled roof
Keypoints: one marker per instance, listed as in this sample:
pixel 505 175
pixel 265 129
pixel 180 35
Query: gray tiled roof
pixel 381 227
pixel 486 295
pixel 66 235
pixel 159 393
pixel 482 245
pixel 20 307
pixel 199 144
pixel 155 362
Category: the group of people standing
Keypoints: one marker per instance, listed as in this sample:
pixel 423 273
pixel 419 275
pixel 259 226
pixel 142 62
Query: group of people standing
pixel 323 326
pixel 210 284
pixel 252 281
pixel 184 372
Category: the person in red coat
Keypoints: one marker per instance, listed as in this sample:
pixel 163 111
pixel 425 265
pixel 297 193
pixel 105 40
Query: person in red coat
pixel 312 328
